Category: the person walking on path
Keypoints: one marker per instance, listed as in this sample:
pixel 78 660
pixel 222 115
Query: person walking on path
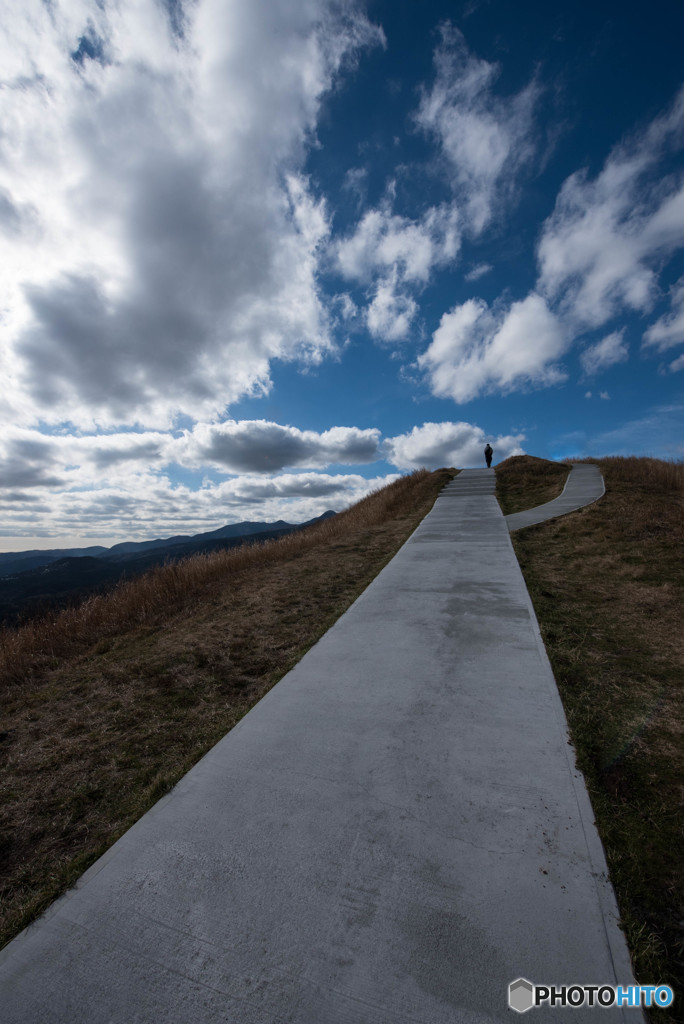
pixel 489 451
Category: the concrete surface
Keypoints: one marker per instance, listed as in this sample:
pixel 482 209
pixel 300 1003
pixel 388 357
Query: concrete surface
pixel 583 487
pixel 391 836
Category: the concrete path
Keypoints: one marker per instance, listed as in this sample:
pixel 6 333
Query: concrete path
pixel 583 487
pixel 391 836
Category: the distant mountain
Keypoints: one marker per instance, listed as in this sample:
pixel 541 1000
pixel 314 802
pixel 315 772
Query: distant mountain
pixel 35 581
pixel 128 548
pixel 19 561
pixel 14 562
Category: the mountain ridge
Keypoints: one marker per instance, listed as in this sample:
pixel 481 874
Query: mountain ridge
pixel 66 576
pixel 38 557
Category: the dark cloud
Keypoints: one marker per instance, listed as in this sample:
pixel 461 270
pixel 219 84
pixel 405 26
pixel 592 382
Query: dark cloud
pixel 256 446
pixel 14 473
pixel 114 505
pixel 177 16
pixel 21 497
pixel 31 448
pixel 28 463
pixel 105 457
pixel 198 320
pixel 10 218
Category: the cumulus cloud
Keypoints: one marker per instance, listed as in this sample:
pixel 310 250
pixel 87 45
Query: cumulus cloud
pixel 390 315
pixel 141 504
pixel 258 446
pixel 30 458
pixel 164 243
pixel 385 241
pixel 125 485
pixel 23 466
pixel 485 139
pixel 448 444
pixel 668 331
pixel 394 256
pixel 611 350
pixel 600 248
pixel 476 350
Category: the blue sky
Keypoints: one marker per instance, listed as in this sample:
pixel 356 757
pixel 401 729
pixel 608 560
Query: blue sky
pixel 260 256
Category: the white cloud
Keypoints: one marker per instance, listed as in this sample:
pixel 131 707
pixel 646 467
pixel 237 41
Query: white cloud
pixel 448 444
pixel 160 245
pixel 347 307
pixel 476 350
pixel 486 139
pixel 390 314
pixel 605 396
pixel 394 256
pixel 587 394
pixel 123 485
pixel 130 501
pixel 479 271
pixel 600 245
pixel 30 459
pixel 610 350
pixel 356 182
pixel 384 241
pixel 669 329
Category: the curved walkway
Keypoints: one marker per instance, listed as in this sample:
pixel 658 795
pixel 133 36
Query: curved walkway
pixel 583 487
pixel 391 836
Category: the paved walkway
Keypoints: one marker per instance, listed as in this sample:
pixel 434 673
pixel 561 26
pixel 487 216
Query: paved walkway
pixel 391 836
pixel 583 487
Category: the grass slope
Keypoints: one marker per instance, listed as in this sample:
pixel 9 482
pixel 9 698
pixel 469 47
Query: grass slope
pixel 107 706
pixel 523 482
pixel 607 583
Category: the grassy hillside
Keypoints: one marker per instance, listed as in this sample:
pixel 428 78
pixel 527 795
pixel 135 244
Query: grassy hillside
pixel 607 584
pixel 524 481
pixel 106 706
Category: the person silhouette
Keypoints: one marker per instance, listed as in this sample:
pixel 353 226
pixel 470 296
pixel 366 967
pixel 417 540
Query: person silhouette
pixel 489 451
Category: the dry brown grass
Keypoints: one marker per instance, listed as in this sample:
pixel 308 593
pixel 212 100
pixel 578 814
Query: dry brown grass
pixel 607 584
pixel 523 482
pixel 42 643
pixel 105 707
pixel 655 474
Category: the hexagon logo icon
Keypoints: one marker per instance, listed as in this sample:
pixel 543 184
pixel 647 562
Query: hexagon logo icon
pixel 521 995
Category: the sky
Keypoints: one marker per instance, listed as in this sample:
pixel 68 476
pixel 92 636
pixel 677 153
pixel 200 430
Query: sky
pixel 260 257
